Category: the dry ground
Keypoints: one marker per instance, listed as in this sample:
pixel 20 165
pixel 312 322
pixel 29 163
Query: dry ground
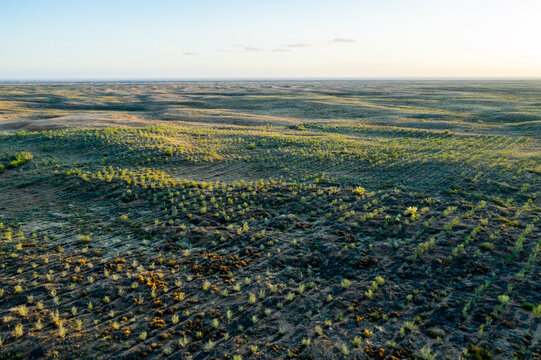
pixel 264 220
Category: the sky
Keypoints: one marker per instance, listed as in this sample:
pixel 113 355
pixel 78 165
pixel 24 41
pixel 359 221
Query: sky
pixel 199 39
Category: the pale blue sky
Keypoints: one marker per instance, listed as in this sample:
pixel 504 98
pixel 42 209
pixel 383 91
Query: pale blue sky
pixel 264 38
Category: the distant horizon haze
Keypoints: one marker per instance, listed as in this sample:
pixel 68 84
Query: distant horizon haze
pixel 263 79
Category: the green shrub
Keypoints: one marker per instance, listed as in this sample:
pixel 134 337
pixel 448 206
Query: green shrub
pixel 19 160
pixel 487 246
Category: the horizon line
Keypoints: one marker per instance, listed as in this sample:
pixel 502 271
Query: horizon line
pixel 266 78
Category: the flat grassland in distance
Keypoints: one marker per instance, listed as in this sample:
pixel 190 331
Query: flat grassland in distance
pixel 267 220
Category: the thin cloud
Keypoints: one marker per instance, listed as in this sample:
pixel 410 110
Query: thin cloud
pixel 251 49
pixel 240 48
pixel 299 45
pixel 281 50
pixel 343 40
pixel 189 53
